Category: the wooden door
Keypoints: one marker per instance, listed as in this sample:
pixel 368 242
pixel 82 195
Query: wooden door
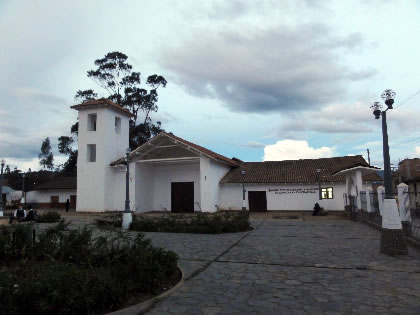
pixel 182 197
pixel 72 201
pixel 257 201
pixel 54 202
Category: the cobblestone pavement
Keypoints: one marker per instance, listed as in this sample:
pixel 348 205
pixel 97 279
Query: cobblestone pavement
pixel 287 267
pixel 291 267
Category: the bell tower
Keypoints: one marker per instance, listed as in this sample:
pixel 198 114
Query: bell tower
pixel 103 138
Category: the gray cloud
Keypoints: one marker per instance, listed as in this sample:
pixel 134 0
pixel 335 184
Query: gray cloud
pixel 266 70
pixel 255 144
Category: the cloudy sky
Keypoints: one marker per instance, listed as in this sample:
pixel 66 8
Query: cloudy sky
pixel 259 80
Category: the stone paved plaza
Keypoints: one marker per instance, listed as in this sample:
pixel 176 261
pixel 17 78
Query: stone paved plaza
pixel 290 267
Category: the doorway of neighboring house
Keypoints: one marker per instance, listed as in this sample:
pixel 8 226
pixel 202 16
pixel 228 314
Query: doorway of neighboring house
pixel 257 201
pixel 72 201
pixel 182 197
pixel 54 202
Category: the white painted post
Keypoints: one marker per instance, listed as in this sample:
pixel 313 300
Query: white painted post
pixel 368 204
pixel 404 206
pixel 388 210
pixel 381 196
pixel 359 186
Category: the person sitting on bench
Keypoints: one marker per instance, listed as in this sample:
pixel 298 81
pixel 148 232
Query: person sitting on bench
pixel 19 215
pixel 31 214
pixel 317 209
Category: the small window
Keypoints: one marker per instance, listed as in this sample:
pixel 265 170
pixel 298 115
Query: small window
pixel 92 122
pixel 91 152
pixel 327 193
pixel 117 125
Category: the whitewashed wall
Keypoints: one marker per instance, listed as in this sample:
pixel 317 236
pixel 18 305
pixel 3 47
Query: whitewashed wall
pixel 44 196
pixel 13 196
pixel 141 187
pixel 231 196
pixel 153 184
pixel 95 180
pixel 211 172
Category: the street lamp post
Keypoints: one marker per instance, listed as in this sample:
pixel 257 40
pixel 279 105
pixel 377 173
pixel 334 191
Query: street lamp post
pixel 318 174
pixel 3 162
pixel 243 190
pixel 127 217
pixel 23 189
pixel 392 236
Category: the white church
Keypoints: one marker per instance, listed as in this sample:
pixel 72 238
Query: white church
pixel 168 173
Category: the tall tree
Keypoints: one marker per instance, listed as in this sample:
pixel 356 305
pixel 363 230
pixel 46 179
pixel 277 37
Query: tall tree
pixel 46 158
pixel 65 147
pixel 123 86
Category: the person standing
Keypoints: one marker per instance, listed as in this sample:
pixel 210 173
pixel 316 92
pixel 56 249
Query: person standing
pixel 67 205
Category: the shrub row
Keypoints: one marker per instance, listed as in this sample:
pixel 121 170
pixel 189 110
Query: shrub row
pixel 49 217
pixel 67 271
pixel 206 223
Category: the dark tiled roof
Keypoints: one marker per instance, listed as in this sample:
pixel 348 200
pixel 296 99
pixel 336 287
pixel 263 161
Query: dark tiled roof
pixel 102 102
pixel 296 171
pixel 59 183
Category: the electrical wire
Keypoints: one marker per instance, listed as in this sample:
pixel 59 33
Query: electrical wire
pixel 407 99
pixel 399 105
pixel 407 142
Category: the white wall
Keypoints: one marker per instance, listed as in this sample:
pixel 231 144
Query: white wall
pixel 152 184
pixel 13 196
pixel 211 172
pixel 165 174
pixel 97 184
pixel 44 196
pixel 142 185
pixel 231 196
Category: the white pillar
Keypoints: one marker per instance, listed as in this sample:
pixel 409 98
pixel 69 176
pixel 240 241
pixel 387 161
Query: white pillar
pixel 368 204
pixel 381 196
pixel 403 201
pixel 389 211
pixel 359 186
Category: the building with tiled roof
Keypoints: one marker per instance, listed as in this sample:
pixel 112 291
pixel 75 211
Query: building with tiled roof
pixel 169 173
pixel 54 193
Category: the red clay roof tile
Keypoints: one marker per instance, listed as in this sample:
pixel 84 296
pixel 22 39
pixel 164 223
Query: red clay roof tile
pixel 102 102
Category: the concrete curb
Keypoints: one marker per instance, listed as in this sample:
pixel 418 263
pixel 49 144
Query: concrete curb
pixel 146 305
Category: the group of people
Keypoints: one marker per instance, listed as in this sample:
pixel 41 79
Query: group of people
pixel 21 215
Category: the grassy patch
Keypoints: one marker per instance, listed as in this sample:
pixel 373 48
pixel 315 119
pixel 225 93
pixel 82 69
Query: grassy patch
pixel 67 271
pixel 206 223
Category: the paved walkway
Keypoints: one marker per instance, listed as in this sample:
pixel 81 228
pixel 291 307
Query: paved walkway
pixel 288 267
pixel 291 267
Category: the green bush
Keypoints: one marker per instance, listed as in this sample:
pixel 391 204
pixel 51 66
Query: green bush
pixel 113 219
pixel 67 271
pixel 49 217
pixel 206 223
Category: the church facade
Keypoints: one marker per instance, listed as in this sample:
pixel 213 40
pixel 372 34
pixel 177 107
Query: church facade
pixel 168 173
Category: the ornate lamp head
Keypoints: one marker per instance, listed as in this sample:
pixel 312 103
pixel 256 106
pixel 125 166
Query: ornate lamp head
pixel 377 109
pixel 388 96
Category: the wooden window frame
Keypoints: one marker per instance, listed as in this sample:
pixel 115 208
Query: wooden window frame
pixel 325 189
